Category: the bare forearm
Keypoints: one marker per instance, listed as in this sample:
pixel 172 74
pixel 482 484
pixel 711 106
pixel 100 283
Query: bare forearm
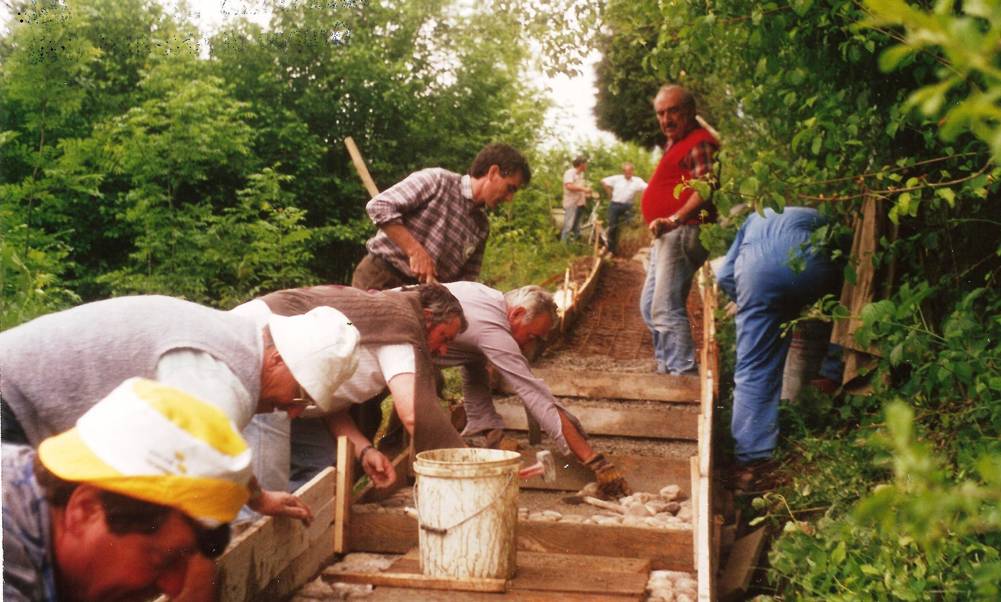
pixel 341 424
pixel 575 439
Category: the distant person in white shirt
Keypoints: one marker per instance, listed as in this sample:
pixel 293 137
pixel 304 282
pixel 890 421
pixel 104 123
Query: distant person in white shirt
pixel 623 188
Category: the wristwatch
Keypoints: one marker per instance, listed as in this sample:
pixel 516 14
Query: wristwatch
pixel 674 219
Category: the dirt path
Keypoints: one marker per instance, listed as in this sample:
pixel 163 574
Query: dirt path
pixel 613 327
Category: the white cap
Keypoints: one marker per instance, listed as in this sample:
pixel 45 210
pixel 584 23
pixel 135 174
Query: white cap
pixel 320 349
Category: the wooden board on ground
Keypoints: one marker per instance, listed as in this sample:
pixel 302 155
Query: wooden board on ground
pixel 620 385
pixel 413 579
pixel 655 423
pixel 277 555
pixel 394 533
pixel 644 473
pixel 542 574
pixel 741 565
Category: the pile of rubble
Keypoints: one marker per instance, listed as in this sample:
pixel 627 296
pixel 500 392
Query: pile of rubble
pixel 663 510
pixel 671 586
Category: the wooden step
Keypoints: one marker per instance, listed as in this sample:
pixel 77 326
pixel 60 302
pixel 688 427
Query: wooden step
pixel 619 385
pixel 662 421
pixel 396 533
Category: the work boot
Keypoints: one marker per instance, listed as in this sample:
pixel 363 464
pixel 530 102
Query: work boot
pixel 496 439
pixel 753 477
pixel 611 483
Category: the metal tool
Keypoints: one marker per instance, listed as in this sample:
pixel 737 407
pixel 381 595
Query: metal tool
pixel 545 467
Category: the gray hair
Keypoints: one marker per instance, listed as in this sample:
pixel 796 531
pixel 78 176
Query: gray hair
pixel 535 299
pixel 687 98
pixel 442 304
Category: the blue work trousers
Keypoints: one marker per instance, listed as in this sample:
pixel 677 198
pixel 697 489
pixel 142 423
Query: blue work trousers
pixel 674 258
pixel 769 293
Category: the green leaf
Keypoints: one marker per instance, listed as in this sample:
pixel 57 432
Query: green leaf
pixel 891 57
pixel 948 194
pixel 749 186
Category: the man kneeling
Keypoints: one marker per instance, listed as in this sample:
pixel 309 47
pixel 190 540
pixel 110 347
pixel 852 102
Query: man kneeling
pixel 117 507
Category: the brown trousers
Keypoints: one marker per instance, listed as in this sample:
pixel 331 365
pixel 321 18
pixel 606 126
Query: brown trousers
pixel 372 272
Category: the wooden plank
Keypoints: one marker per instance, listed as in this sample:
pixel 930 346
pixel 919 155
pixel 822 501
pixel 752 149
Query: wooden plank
pixel 299 570
pixel 262 553
pixel 345 483
pixel 644 473
pixel 741 565
pixel 666 549
pixel 395 594
pixel 418 581
pixel 396 533
pixel 551 560
pixel 548 572
pixel 619 385
pixel 359 163
pixel 657 423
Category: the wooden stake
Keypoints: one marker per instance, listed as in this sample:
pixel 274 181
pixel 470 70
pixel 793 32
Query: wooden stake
pixel 345 481
pixel 360 167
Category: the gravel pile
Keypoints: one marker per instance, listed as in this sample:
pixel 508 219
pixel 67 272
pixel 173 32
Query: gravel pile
pixel 671 586
pixel 662 510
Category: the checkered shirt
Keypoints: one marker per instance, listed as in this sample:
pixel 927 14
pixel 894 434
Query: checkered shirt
pixel 436 206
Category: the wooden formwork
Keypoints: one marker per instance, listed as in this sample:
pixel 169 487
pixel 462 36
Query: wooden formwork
pixel 276 556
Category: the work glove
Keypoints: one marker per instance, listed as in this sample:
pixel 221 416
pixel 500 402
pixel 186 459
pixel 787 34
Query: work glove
pixel 611 484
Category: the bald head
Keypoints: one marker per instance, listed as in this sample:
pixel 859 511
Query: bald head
pixel 675 109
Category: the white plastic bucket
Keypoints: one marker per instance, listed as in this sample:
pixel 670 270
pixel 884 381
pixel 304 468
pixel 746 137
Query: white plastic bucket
pixel 467 504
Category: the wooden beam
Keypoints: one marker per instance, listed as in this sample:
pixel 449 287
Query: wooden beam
pixel 548 573
pixel 262 555
pixel 657 423
pixel 359 163
pixel 416 580
pixel 396 533
pixel 398 594
pixel 619 385
pixel 345 483
pixel 741 565
pixel 644 473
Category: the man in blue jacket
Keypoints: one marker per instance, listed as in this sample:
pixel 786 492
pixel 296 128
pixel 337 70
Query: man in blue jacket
pixel 772 271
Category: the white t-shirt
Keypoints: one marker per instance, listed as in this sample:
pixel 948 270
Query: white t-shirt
pixel 623 190
pixel 377 365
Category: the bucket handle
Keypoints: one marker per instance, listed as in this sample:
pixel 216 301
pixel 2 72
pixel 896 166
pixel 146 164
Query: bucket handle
pixel 444 530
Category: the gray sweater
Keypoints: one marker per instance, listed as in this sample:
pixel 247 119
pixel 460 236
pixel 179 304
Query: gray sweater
pixel 54 368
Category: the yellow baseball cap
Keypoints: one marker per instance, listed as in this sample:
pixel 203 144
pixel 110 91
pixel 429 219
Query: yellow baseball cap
pixel 159 444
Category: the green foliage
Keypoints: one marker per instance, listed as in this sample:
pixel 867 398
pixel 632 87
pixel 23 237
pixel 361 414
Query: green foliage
pixel 132 164
pixel 830 102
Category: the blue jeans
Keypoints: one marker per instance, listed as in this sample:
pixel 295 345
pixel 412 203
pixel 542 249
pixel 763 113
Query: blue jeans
pixel 571 222
pixel 674 258
pixel 617 212
pixel 768 294
pixel 313 449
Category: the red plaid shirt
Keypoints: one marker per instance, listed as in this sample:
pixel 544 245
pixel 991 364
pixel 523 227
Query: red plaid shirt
pixel 436 206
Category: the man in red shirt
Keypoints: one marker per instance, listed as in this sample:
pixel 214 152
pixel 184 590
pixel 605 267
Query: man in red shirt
pixel 673 219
